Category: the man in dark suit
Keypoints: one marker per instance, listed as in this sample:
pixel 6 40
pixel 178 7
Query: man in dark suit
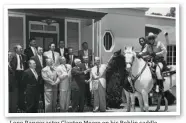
pixel 78 89
pixel 87 65
pixel 18 63
pixel 85 52
pixel 40 61
pixel 62 50
pixel 12 87
pixel 71 57
pixel 31 50
pixel 31 84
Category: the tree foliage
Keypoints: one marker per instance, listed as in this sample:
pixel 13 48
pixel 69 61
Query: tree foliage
pixel 172 12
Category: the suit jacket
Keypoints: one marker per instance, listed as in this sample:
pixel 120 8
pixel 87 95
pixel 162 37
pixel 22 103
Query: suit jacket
pixel 65 54
pixel 38 63
pixel 48 54
pixel 64 81
pixel 13 62
pixel 49 77
pixel 11 79
pixel 28 52
pixel 29 79
pixel 78 78
pixel 81 54
pixel 87 76
pixel 69 62
pixel 101 76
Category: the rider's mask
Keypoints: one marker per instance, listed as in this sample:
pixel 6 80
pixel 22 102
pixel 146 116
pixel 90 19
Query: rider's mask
pixel 151 40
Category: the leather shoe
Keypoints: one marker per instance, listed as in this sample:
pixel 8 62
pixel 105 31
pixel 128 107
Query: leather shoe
pixel 96 109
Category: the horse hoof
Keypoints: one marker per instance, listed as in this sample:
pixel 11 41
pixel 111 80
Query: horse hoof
pixel 128 110
pixel 165 110
pixel 157 110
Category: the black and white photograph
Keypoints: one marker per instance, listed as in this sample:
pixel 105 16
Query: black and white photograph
pixel 91 61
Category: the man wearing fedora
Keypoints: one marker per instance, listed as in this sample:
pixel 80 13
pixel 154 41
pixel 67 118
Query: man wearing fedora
pixel 157 51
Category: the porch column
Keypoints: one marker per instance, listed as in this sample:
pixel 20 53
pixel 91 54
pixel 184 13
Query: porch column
pixel 92 41
pixel 97 38
pixel 100 40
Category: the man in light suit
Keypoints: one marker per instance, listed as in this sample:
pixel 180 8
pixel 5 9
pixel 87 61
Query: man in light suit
pixel 85 52
pixel 52 54
pixel 64 74
pixel 99 85
pixel 49 76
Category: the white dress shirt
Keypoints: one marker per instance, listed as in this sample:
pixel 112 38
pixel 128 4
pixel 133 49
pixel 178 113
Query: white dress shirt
pixel 18 63
pixel 62 51
pixel 34 50
pixel 86 52
pixel 40 59
pixel 86 65
pixel 35 73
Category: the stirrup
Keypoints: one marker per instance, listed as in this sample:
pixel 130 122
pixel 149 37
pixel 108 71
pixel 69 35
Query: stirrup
pixel 157 89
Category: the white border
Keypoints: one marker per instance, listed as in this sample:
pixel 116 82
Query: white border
pixel 92 114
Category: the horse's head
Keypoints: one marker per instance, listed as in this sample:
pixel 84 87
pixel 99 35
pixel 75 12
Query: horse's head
pixel 130 56
pixel 116 64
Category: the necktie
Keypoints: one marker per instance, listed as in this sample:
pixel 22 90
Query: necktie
pixel 41 60
pixel 86 64
pixel 21 62
pixel 98 70
pixel 35 73
pixel 65 66
pixel 35 52
pixel 53 56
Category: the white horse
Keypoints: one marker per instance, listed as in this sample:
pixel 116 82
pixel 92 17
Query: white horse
pixel 144 82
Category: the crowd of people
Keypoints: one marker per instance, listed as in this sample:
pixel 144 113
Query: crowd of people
pixel 56 76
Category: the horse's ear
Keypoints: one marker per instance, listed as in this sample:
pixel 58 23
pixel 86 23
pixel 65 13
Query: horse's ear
pixel 125 48
pixel 119 51
pixel 132 48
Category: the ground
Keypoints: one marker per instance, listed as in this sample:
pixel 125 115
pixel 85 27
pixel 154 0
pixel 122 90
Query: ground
pixel 171 108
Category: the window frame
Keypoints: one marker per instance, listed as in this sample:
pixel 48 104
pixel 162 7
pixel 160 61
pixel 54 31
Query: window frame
pixel 170 58
pixel 113 42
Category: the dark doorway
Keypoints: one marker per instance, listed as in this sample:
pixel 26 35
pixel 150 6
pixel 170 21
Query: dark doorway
pixel 44 39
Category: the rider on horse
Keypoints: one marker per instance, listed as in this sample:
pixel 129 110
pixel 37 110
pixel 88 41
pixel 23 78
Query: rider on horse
pixel 157 51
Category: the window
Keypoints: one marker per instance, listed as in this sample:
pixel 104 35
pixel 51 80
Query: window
pixel 108 40
pixel 171 55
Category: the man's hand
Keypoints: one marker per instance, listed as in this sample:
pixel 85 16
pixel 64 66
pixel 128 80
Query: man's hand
pixel 139 55
pixel 86 71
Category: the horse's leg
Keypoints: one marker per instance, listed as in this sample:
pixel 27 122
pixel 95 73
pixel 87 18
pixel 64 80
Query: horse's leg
pixel 145 100
pixel 140 99
pixel 132 97
pixel 159 102
pixel 166 104
pixel 128 100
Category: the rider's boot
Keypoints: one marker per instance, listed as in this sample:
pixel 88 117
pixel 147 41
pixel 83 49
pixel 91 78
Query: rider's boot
pixel 165 66
pixel 161 86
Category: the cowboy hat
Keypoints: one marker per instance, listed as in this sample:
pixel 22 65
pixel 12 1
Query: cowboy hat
pixel 151 35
